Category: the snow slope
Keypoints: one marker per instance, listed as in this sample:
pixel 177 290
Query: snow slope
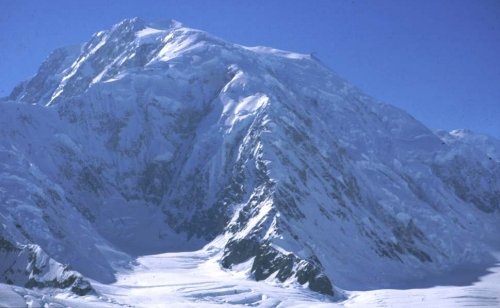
pixel 159 138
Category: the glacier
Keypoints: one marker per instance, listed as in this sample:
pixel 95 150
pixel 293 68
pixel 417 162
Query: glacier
pixel 156 138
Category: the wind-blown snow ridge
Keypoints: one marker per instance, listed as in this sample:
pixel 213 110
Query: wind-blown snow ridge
pixel 277 52
pixel 155 138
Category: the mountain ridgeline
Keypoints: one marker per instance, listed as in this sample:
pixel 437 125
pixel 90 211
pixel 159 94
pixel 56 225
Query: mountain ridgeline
pixel 152 138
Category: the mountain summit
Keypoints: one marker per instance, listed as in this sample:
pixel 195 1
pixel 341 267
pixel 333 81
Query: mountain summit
pixel 155 138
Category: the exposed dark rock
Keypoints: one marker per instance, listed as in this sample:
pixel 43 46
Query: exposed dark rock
pixel 82 287
pixel 30 267
pixel 239 251
pixel 6 246
pixel 74 282
pixel 268 260
pixel 308 272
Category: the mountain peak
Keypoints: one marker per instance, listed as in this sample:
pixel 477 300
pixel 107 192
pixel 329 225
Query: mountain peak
pixel 137 23
pixel 134 44
pixel 158 138
pixel 166 24
pixel 129 23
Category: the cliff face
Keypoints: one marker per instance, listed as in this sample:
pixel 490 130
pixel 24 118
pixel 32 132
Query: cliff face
pixel 154 138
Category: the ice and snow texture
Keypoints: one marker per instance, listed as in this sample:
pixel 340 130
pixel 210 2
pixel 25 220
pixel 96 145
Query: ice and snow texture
pixel 193 279
pixel 155 138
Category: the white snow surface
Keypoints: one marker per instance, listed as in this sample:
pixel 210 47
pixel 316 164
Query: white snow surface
pixel 151 141
pixel 194 279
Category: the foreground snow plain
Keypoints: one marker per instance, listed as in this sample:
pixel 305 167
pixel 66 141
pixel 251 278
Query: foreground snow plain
pixel 195 279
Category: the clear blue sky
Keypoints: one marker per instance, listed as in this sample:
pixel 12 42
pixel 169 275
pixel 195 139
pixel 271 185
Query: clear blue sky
pixel 437 59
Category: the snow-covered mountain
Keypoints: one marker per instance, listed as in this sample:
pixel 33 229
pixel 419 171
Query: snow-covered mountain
pixel 155 138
